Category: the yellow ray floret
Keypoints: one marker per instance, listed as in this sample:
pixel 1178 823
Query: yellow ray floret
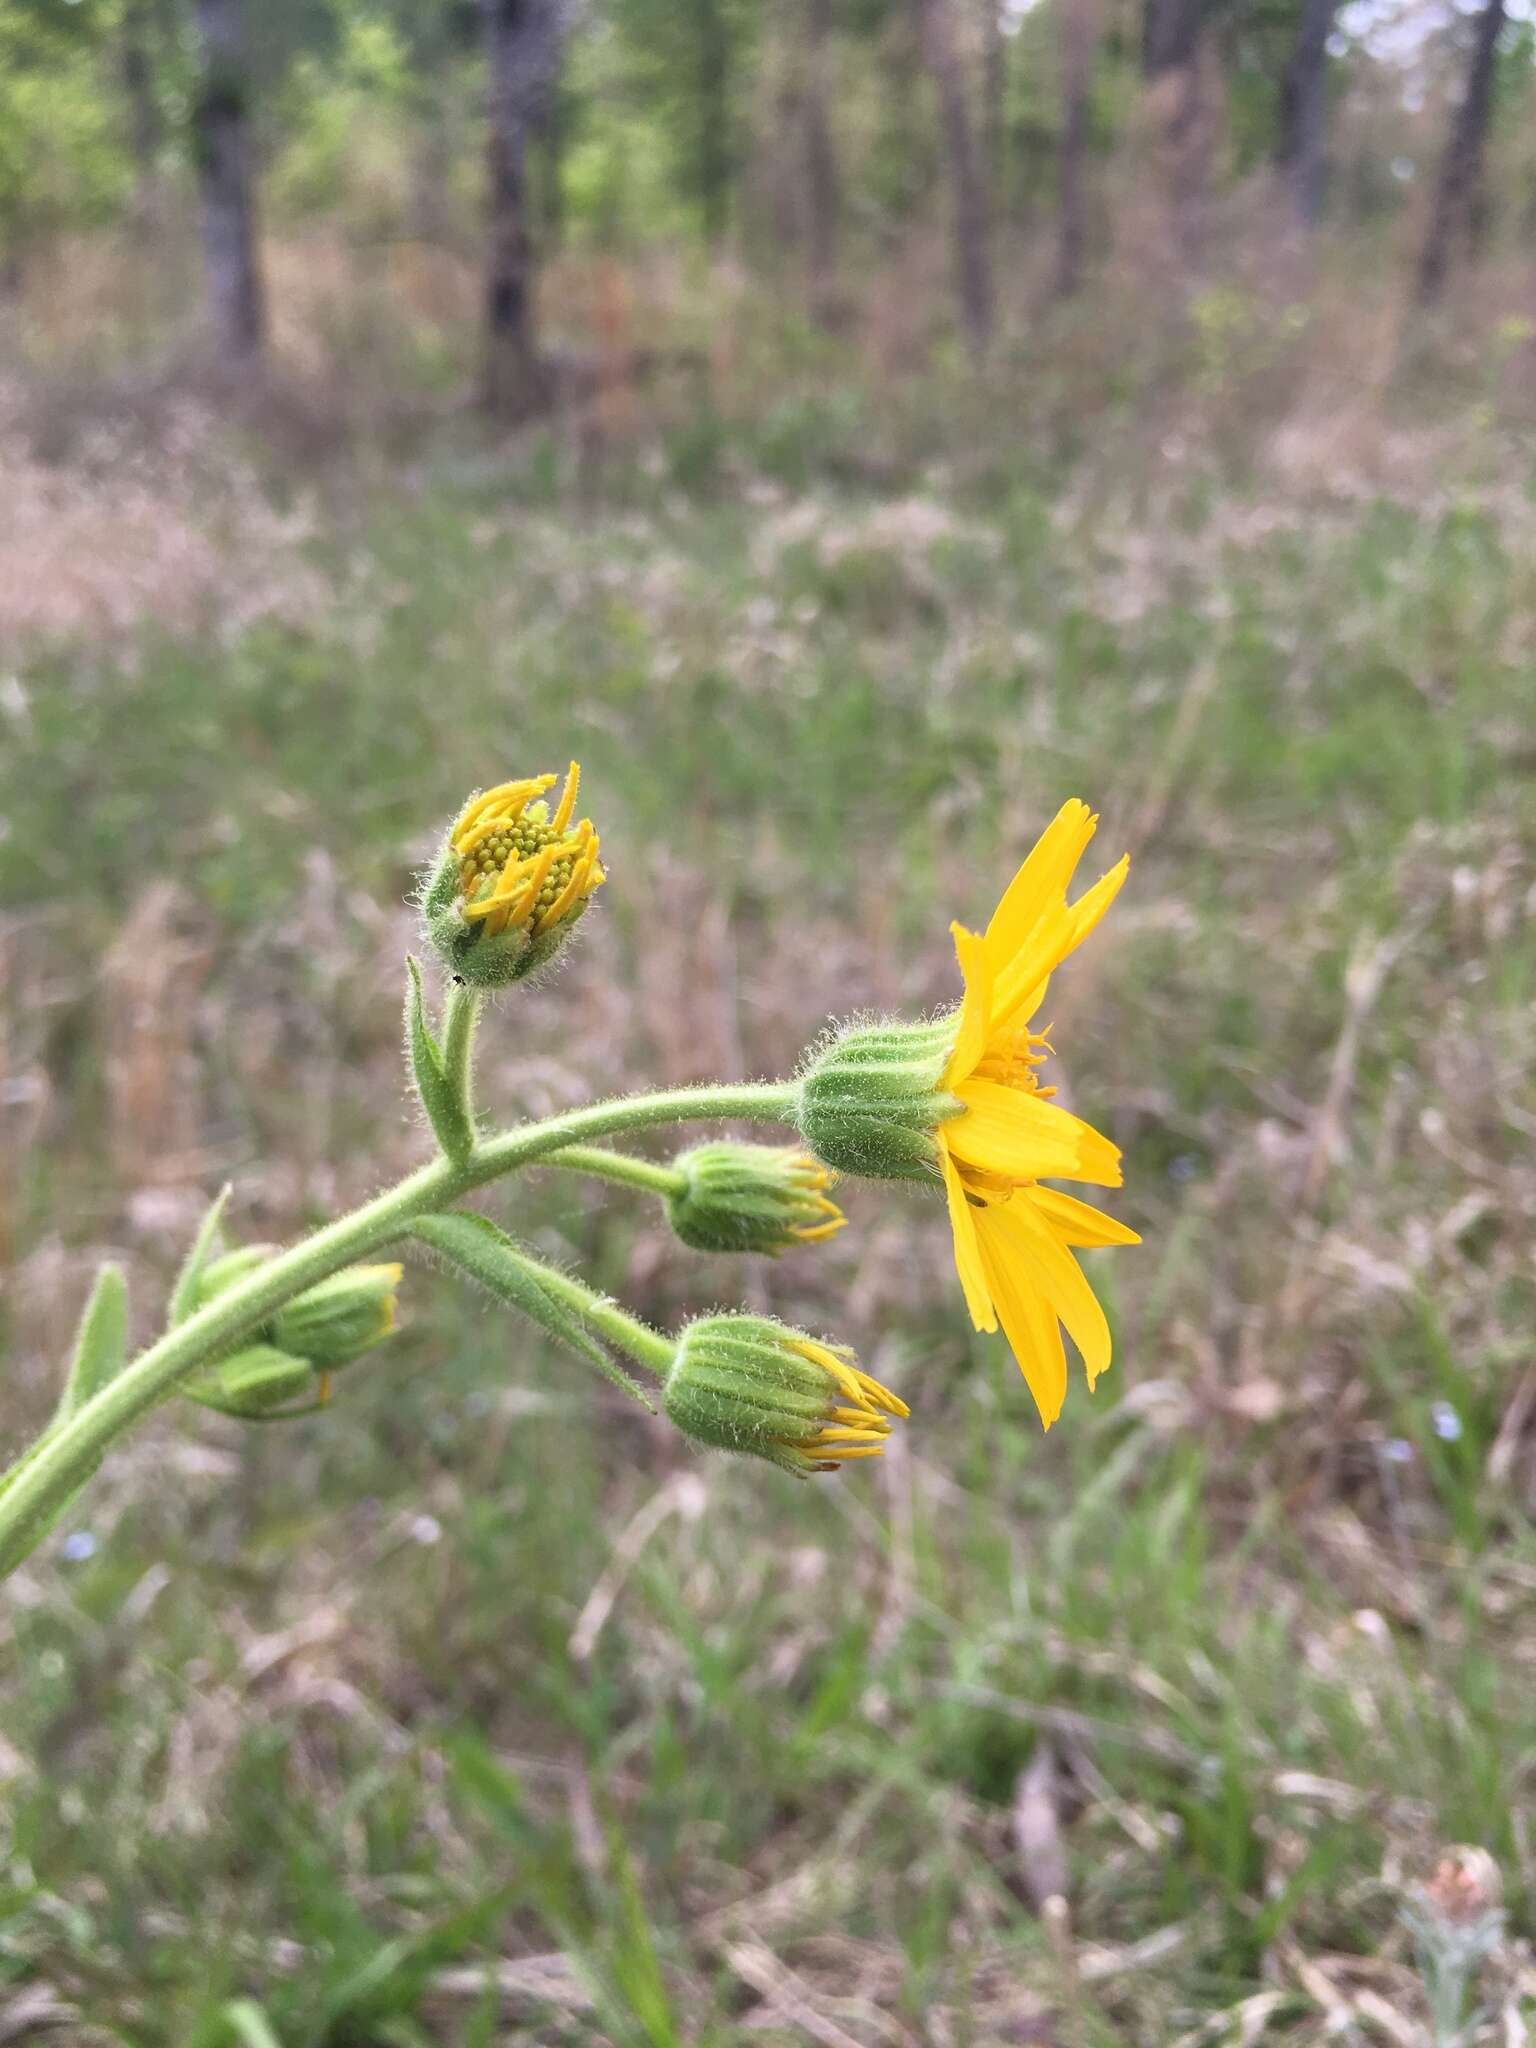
pixel 519 867
pixel 1014 1238
pixel 812 1180
pixel 857 1425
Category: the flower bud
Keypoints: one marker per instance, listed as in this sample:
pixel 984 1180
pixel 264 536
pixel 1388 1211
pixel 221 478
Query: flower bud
pixel 291 1356
pixel 511 881
pixel 340 1318
pixel 871 1099
pixel 258 1384
pixel 746 1383
pixel 751 1198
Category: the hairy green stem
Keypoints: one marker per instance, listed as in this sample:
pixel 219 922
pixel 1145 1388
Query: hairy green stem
pixel 620 1167
pixel 43 1480
pixel 645 1345
pixel 461 1018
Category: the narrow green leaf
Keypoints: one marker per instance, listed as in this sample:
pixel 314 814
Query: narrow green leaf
pixel 442 1096
pixel 488 1256
pixel 184 1293
pixel 101 1344
pixel 248 2024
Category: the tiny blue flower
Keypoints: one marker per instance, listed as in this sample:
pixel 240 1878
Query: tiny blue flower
pixel 1446 1421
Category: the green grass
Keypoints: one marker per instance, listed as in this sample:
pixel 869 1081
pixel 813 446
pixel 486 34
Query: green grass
pixel 300 1751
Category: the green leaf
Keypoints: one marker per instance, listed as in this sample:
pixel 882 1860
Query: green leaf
pixel 101 1346
pixel 249 2025
pixel 188 1280
pixel 488 1256
pixel 442 1096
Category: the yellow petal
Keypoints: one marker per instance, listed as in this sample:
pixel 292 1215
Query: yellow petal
pixel 506 799
pixel 975 1011
pixel 1020 987
pixel 1017 1133
pixel 1029 1321
pixel 1041 881
pixel 962 1221
pixel 562 817
pixel 1027 1244
pixel 1075 1222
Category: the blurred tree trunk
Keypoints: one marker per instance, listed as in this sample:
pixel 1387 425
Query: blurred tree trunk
pixel 225 169
pixel 1454 213
pixel 822 192
pixel 1079 31
pixel 1173 62
pixel 1303 105
pixel 523 57
pixel 994 98
pixel 973 227
pixel 713 44
pixel 145 129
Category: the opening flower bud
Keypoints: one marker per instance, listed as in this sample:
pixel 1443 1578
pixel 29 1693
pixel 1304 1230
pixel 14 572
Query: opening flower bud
pixel 746 1383
pixel 871 1099
pixel 512 879
pixel 751 1198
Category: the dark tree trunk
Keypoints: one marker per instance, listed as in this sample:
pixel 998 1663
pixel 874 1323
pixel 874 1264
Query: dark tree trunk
pixel 973 226
pixel 1170 35
pixel 1173 62
pixel 1079 39
pixel 1303 106
pixel 145 129
pixel 1457 195
pixel 523 57
pixel 994 98
pixel 712 41
pixel 822 196
pixel 225 166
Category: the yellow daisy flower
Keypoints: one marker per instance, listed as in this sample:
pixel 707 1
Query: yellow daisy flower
pixel 1014 1238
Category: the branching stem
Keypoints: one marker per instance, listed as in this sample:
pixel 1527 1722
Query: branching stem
pixel 52 1470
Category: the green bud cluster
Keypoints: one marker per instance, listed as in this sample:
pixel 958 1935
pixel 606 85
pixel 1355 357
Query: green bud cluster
pixel 320 1330
pixel 748 1384
pixel 871 1099
pixel 751 1198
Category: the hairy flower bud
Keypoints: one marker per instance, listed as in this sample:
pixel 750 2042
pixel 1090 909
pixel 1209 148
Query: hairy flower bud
pixel 511 881
pixel 290 1358
pixel 871 1099
pixel 746 1383
pixel 751 1198
pixel 259 1384
pixel 340 1318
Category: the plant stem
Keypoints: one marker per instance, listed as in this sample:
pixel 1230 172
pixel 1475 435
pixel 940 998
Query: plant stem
pixel 647 1346
pixel 47 1475
pixel 620 1167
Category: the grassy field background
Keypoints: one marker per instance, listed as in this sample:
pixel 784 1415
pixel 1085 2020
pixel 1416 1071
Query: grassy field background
pixel 477 1708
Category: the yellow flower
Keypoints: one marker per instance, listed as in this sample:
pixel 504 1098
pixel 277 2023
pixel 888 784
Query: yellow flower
pixel 1014 1238
pixel 519 868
